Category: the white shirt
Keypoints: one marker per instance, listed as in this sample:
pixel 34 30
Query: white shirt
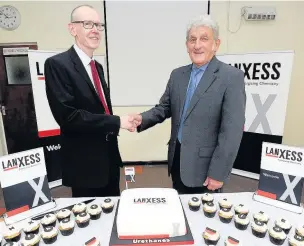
pixel 85 59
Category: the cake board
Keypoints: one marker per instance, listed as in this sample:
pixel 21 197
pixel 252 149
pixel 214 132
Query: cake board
pixel 179 240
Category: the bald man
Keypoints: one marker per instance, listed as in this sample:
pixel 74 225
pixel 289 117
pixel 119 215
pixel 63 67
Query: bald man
pixel 79 99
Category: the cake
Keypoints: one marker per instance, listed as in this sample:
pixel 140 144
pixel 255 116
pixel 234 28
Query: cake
pixel 225 215
pixel 83 219
pixel 259 229
pixel 63 214
pixel 12 234
pixel 207 197
pixel 209 209
pixel 300 231
pixel 261 216
pixel 241 209
pixel 241 221
pixel 231 241
pixel 296 240
pixel 92 242
pixel 66 226
pixel 94 211
pixel 211 236
pixel 107 205
pixel 30 240
pixel 194 204
pixel 49 234
pixel 284 224
pixel 49 220
pixel 10 244
pixel 79 208
pixel 225 203
pixel 31 226
pixel 150 213
pixel 277 235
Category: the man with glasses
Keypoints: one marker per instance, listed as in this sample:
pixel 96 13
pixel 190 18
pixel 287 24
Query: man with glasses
pixel 80 102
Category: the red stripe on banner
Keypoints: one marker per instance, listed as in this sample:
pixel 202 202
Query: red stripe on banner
pixel 270 155
pixel 49 133
pixel 157 244
pixel 144 237
pixel 17 211
pixel 41 78
pixel 7 169
pixel 267 194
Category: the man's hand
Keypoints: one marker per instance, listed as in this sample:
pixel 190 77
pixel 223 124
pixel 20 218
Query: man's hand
pixel 137 119
pixel 128 122
pixel 213 184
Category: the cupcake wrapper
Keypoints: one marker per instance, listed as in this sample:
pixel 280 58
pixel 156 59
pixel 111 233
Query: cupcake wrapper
pixel 276 241
pixel 14 239
pixel 211 242
pixel 259 234
pixel 240 226
pixel 225 220
pixel 194 208
pixel 209 215
pixel 83 224
pixel 34 232
pixel 52 224
pixel 61 219
pixel 95 216
pixel 50 240
pixel 107 210
pixel 67 232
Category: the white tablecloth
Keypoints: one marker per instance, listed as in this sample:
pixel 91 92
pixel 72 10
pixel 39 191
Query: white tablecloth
pixel 102 228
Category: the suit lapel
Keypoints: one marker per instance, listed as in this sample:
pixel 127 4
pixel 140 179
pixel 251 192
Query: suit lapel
pixel 183 86
pixel 205 82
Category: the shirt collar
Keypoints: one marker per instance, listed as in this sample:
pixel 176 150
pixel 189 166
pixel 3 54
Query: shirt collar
pixel 201 68
pixel 85 59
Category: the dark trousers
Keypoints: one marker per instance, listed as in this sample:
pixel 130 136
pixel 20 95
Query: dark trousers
pixel 111 189
pixel 178 185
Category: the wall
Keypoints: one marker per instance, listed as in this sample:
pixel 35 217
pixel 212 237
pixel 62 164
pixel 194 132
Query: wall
pixel 47 25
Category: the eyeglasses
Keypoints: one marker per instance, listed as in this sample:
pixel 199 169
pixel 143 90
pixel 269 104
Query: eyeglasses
pixel 91 24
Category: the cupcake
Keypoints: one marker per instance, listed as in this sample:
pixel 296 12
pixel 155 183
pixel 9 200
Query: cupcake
pixel 11 244
pixel 261 216
pixel 92 242
pixel 31 240
pixel 207 197
pixel 259 229
pixel 241 209
pixel 241 221
pixel 224 203
pixel 300 231
pixel 83 219
pixel 31 226
pixel 209 209
pixel 283 224
pixel 225 215
pixel 49 220
pixel 79 208
pixel 63 214
pixel 231 241
pixel 49 234
pixel 66 226
pixel 296 240
pixel 211 236
pixel 12 234
pixel 277 235
pixel 194 204
pixel 107 205
pixel 94 211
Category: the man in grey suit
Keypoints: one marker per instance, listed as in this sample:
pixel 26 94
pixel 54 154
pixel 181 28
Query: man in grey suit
pixel 206 103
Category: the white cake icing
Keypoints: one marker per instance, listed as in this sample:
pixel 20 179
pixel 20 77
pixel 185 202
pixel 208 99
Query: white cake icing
pixel 261 216
pixel 49 232
pixel 107 203
pixel 64 213
pixel 79 207
pixel 296 240
pixel 31 225
pixel 30 239
pixel 283 223
pixel 207 197
pixel 93 209
pixel 300 230
pixel 48 219
pixel 11 244
pixel 11 231
pixel 150 212
pixel 277 233
pixel 82 217
pixel 66 224
pixel 225 203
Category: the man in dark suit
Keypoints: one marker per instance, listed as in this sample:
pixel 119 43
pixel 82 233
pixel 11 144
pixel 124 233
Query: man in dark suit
pixel 206 103
pixel 80 102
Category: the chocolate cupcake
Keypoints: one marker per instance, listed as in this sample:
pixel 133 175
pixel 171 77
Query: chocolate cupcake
pixel 225 203
pixel 209 209
pixel 207 197
pixel 277 235
pixel 283 224
pixel 211 236
pixel 107 205
pixel 92 242
pixel 231 241
pixel 12 234
pixel 241 221
pixel 225 215
pixel 296 240
pixel 194 204
pixel 300 231
pixel 241 209
pixel 261 216
pixel 83 219
pixel 31 226
pixel 94 211
pixel 79 208
pixel 66 226
pixel 63 214
pixel 49 234
pixel 11 244
pixel 49 220
pixel 259 229
pixel 31 240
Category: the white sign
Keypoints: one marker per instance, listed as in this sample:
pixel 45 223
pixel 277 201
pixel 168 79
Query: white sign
pixel 130 174
pixel 267 79
pixel 47 126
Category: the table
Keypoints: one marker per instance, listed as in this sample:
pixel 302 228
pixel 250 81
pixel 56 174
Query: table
pixel 102 228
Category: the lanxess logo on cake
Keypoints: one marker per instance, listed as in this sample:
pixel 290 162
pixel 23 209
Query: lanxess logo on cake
pixel 150 200
pixel 22 162
pixel 285 155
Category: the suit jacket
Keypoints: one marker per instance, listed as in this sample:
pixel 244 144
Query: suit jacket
pixel 214 122
pixel 88 135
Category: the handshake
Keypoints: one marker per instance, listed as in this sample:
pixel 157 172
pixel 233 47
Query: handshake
pixel 130 122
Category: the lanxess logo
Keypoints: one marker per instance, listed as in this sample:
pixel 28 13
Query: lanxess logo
pixel 21 162
pixel 150 200
pixel 285 155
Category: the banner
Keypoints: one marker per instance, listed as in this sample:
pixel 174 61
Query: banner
pixel 24 184
pixel 282 173
pixel 267 81
pixel 48 129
